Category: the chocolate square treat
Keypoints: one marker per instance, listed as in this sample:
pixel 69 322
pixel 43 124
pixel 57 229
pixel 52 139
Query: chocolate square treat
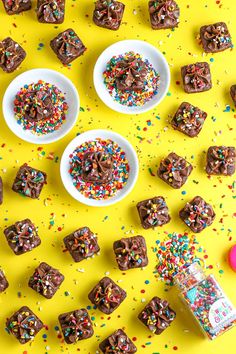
pixel 196 77
pixel 97 167
pixel 221 160
pixel 1 191
pixel 29 181
pixel 107 295
pixel 108 14
pixel 67 46
pixel 81 244
pixel 46 280
pixel 13 7
pixel 22 237
pixel 157 315
pixel 163 14
pixel 197 214
pixel 11 55
pixel 131 252
pixel 189 119
pixel 76 325
pixel 215 38
pixel 117 343
pixel 174 170
pixel 51 11
pixel 153 212
pixel 3 282
pixel 233 93
pixel 24 325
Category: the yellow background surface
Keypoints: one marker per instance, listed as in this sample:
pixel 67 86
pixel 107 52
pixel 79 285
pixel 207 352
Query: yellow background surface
pixel 152 142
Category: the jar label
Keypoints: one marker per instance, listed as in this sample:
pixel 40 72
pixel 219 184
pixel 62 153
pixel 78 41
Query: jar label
pixel 221 312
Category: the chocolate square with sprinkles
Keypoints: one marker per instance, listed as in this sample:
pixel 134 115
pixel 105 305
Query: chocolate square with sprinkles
pixel 215 38
pixel 221 160
pixel 131 252
pixel 24 325
pixel 153 212
pixel 196 77
pixel 81 244
pixel 107 295
pixel 174 170
pixel 46 280
pixel 108 14
pixel 22 236
pixel 3 282
pixel 233 93
pixel 67 46
pixel 189 119
pixel 14 7
pixel 163 14
pixel 51 11
pixel 1 191
pixel 157 315
pixel 29 181
pixel 11 55
pixel 76 325
pixel 117 343
pixel 197 214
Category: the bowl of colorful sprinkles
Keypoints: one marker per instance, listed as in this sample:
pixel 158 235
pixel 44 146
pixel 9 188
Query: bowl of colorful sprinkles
pixel 41 106
pixel 131 76
pixel 99 168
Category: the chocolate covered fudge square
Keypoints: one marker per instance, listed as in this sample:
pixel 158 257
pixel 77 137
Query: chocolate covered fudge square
pixel 24 325
pixel 107 295
pixel 11 55
pixel 131 252
pixel 29 181
pixel 108 14
pixel 1 191
pixel 196 77
pixel 14 7
pixel 163 14
pixel 157 315
pixel 81 244
pixel 174 170
pixel 46 280
pixel 189 119
pixel 153 212
pixel 67 46
pixel 197 214
pixel 76 325
pixel 233 93
pixel 22 236
pixel 97 167
pixel 3 282
pixel 117 343
pixel 215 38
pixel 221 160
pixel 51 11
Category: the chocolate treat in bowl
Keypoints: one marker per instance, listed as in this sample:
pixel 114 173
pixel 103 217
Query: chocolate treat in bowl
pixel 14 7
pixel 174 170
pixel 22 236
pixel 233 93
pixel 76 325
pixel 3 282
pixel 51 11
pixel 163 14
pixel 107 295
pixel 46 280
pixel 108 14
pixel 67 46
pixel 196 77
pixel 157 315
pixel 153 212
pixel 221 160
pixel 215 38
pixel 24 325
pixel 11 55
pixel 1 191
pixel 39 105
pixel 118 343
pixel 97 167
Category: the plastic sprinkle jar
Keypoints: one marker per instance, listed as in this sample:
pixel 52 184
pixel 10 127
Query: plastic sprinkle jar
pixel 206 300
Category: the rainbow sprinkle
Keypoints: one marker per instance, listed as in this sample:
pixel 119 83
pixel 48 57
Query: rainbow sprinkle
pixel 120 169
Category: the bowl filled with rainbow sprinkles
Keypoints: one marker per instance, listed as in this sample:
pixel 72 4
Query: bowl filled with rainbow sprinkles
pixel 131 76
pixel 99 168
pixel 41 106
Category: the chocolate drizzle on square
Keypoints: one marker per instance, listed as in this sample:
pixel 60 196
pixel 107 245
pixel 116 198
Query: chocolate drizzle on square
pixel 14 7
pixel 221 160
pixel 118 343
pixel 11 55
pixel 97 167
pixel 153 212
pixel 108 14
pixel 233 93
pixel 1 191
pixel 196 77
pixel 51 11
pixel 3 282
pixel 163 14
pixel 215 38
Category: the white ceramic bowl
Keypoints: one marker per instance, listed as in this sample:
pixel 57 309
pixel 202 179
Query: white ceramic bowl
pixel 52 77
pixel 148 51
pixel 92 135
